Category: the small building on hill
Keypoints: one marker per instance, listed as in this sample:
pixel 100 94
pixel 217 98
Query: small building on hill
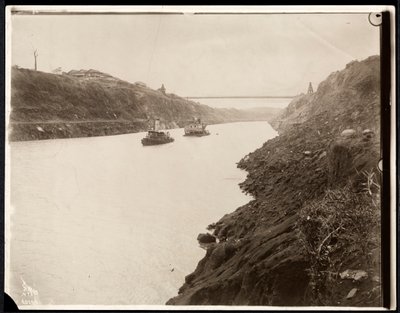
pixel 141 84
pixel 162 89
pixel 95 73
pixel 76 73
pixel 57 71
pixel 88 74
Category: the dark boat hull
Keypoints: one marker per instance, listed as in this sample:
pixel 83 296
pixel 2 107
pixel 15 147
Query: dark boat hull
pixel 196 134
pixel 155 141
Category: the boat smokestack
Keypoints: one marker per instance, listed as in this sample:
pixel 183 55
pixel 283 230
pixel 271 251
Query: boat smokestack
pixel 157 124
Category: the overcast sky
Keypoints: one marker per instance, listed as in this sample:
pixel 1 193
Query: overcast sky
pixel 199 55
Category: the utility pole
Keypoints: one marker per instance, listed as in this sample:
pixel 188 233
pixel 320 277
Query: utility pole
pixel 35 54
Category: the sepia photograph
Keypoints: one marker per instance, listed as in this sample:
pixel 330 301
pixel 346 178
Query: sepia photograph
pixel 169 157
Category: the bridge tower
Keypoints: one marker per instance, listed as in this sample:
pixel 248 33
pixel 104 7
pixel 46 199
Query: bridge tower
pixel 310 89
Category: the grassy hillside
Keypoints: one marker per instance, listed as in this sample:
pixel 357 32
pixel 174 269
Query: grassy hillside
pixel 316 207
pixel 58 106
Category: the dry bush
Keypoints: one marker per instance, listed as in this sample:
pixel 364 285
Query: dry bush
pixel 341 227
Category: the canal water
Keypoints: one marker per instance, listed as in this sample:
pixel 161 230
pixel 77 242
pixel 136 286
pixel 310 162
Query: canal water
pixel 106 221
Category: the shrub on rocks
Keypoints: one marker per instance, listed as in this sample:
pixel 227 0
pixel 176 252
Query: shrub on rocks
pixel 338 229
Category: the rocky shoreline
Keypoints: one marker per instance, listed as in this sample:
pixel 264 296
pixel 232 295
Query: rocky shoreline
pixel 78 129
pixel 316 213
pixel 57 130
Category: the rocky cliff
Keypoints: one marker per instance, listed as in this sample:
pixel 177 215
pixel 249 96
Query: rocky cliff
pixel 311 234
pixel 47 106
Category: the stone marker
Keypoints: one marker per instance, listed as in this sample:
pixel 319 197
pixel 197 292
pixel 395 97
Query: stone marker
pixel 352 293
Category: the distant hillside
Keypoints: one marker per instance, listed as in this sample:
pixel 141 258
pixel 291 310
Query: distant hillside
pixel 90 103
pixel 263 113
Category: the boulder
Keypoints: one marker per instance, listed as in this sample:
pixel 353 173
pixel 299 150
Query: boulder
pixel 367 134
pixel 206 238
pixel 352 293
pixel 355 275
pixel 348 133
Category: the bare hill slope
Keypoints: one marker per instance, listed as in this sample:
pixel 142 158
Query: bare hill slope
pixel 48 106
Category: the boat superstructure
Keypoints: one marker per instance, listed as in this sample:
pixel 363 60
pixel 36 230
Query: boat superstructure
pixel 156 137
pixel 196 128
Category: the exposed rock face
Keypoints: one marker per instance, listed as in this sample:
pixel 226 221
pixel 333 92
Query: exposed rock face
pixel 260 258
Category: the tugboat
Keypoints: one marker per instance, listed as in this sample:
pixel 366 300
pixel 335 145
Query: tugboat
pixel 156 137
pixel 196 128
